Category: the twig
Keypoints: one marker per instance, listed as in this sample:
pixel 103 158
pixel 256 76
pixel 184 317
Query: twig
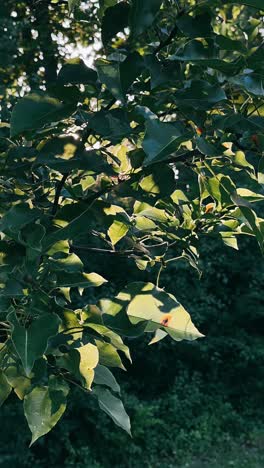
pixel 58 192
pixel 103 251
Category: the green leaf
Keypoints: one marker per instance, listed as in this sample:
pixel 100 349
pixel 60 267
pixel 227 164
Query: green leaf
pixel 34 111
pixel 162 73
pixel 252 222
pixel 103 376
pixel 70 263
pixel 161 139
pixel 80 362
pixel 113 125
pixel 31 342
pixel 159 335
pixel 253 83
pixel 195 26
pixel 117 231
pixel 249 217
pixel 196 52
pixel 111 337
pixel 142 15
pixel 108 355
pixel 207 148
pixel 249 195
pixel 89 357
pixel 80 280
pixel 229 240
pixel 261 171
pixel 44 406
pixel 74 71
pixel 115 20
pixel 119 75
pixel 17 217
pixel 161 310
pixel 72 218
pixel 17 379
pixel 160 182
pixel 252 3
pixel 72 4
pixel 5 388
pixel 240 160
pixel 115 316
pixel 32 235
pixel 63 155
pixel 225 43
pixel 104 4
pixel 109 74
pixel 113 407
pixel 199 95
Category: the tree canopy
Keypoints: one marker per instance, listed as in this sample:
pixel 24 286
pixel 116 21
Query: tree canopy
pixel 129 131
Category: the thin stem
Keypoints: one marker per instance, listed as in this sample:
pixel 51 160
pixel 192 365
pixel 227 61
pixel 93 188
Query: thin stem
pixel 102 251
pixel 76 384
pixel 256 109
pixel 174 259
pixel 158 277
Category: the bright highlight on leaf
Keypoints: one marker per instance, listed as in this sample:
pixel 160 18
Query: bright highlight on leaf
pixel 160 310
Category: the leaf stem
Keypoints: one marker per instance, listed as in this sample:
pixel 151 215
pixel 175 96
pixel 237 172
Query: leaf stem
pixel 158 277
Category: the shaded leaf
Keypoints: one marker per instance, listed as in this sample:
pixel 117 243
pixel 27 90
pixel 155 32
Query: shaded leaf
pixel 252 82
pixel 17 217
pixel 113 125
pixel 114 20
pixel 34 111
pixel 75 71
pixel 118 76
pixel 31 342
pixel 199 95
pixel 161 139
pixel 195 26
pixel 113 407
pixel 142 15
pixel 103 376
pixel 44 406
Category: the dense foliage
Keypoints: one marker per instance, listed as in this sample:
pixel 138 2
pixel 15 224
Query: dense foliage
pixel 131 162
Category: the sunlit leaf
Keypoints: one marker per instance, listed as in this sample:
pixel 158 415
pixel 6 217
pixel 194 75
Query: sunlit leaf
pixel 160 310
